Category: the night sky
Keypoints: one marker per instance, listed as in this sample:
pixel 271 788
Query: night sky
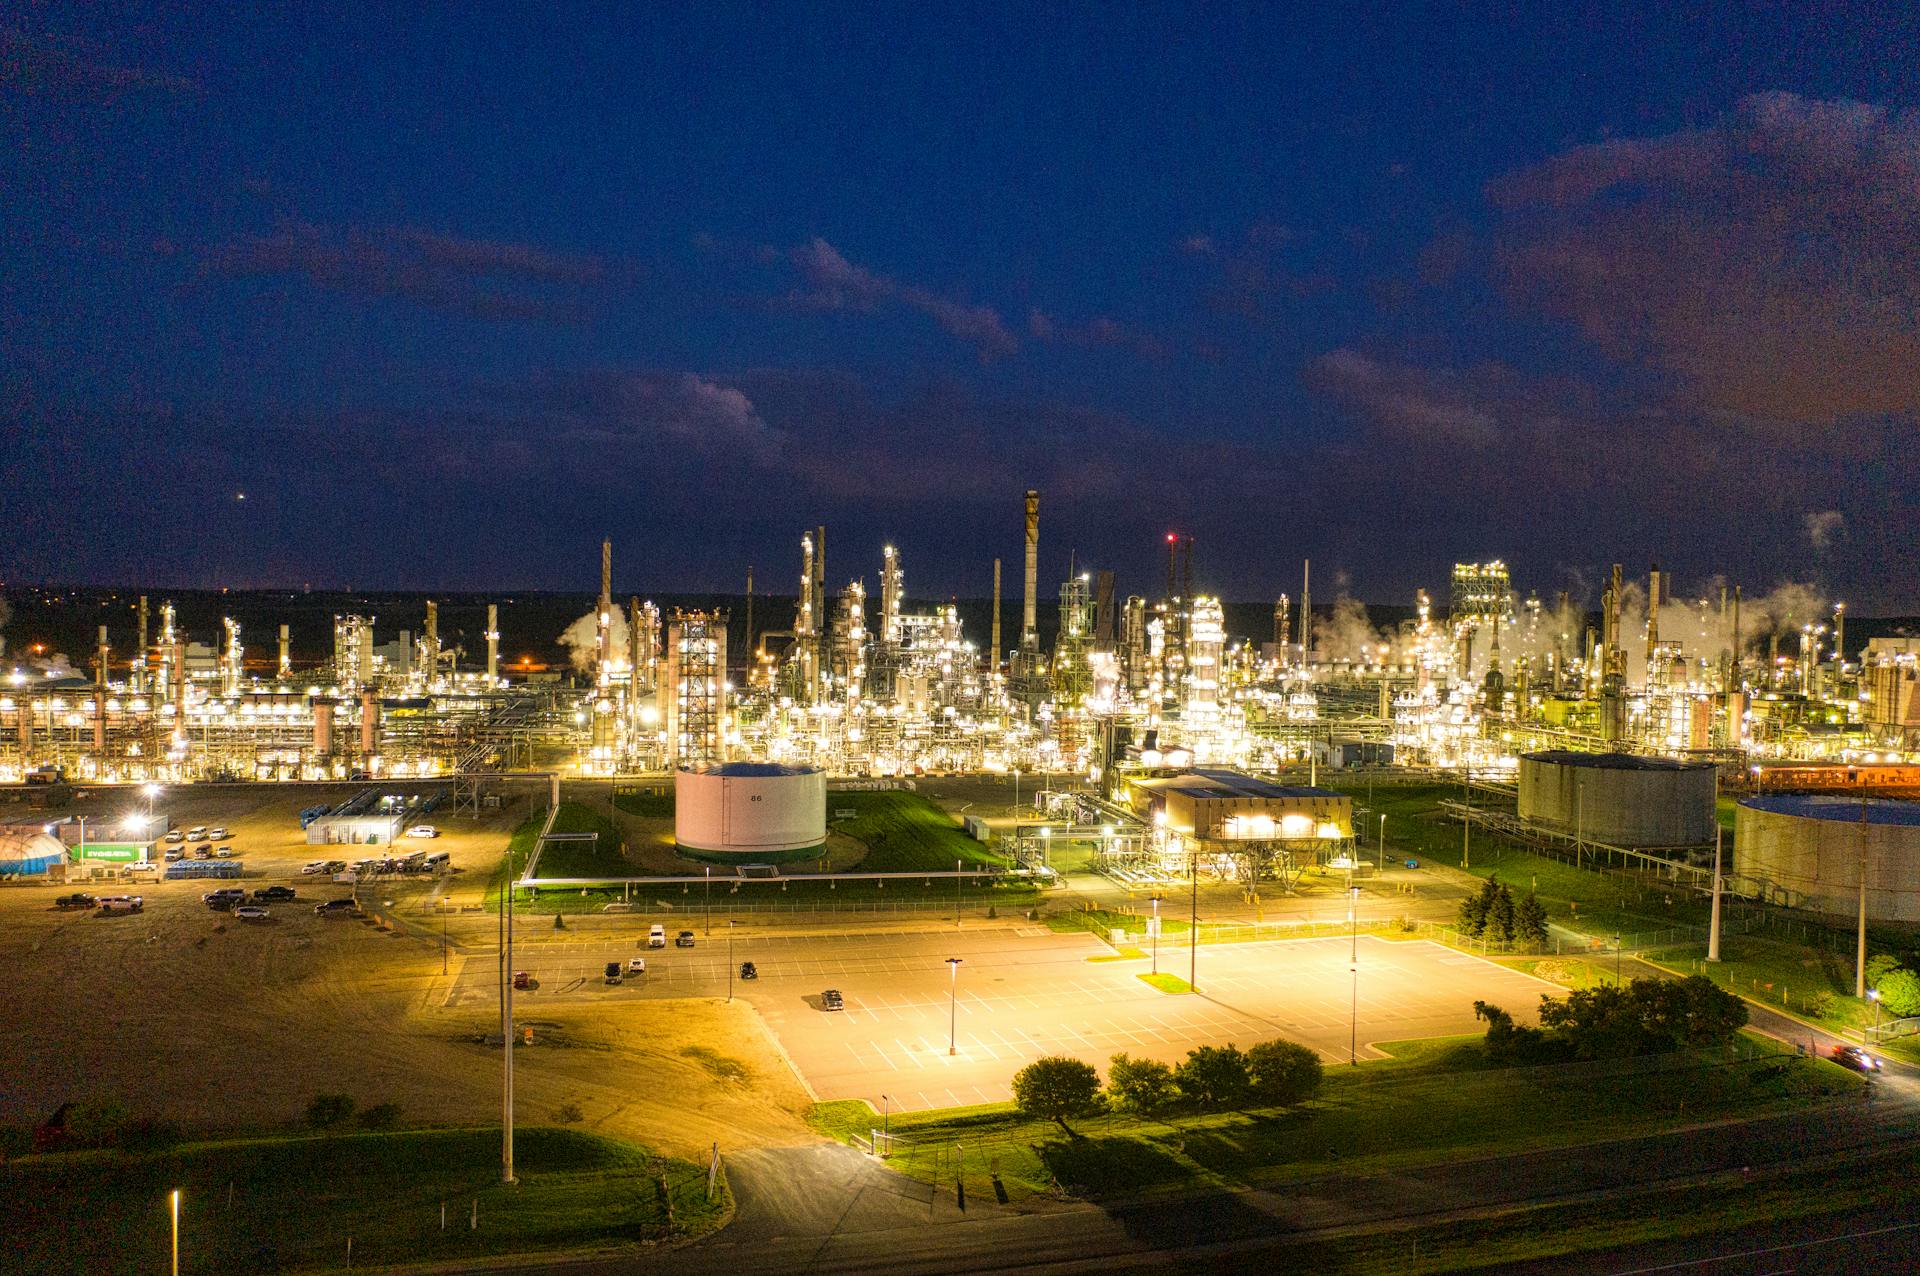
pixel 449 298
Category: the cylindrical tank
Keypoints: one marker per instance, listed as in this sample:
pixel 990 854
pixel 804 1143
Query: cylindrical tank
pixel 1806 849
pixel 29 852
pixel 1619 798
pixel 750 812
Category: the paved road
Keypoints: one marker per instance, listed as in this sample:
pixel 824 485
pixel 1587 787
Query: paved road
pixel 1861 1243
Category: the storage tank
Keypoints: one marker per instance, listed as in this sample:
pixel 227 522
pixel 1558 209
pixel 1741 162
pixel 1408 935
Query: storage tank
pixel 750 812
pixel 1806 847
pixel 25 851
pixel 1621 799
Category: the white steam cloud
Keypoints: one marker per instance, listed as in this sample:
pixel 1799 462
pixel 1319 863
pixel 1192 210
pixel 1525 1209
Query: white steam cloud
pixel 582 639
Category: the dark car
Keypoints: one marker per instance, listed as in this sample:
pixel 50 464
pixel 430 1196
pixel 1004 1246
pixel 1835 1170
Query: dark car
pixel 830 1000
pixel 1856 1058
pixel 274 892
pixel 748 970
pixel 522 980
pixel 78 900
pixel 683 940
pixel 615 972
pixel 334 907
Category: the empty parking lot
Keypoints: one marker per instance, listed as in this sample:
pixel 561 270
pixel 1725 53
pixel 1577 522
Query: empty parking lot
pixel 1023 992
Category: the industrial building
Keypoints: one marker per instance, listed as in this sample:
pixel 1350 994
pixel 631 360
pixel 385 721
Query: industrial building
pixel 749 812
pixel 1808 850
pixel 1619 799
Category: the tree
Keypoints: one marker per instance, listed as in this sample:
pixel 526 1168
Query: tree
pixel 1214 1077
pixel 1530 921
pixel 1646 1016
pixel 328 1110
pixel 1500 914
pixel 1283 1073
pixel 1474 910
pixel 1055 1088
pixel 1877 967
pixel 1144 1086
pixel 1900 992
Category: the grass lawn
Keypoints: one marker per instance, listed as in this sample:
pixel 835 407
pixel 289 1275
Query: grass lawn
pixel 295 1201
pixel 598 858
pixel 1430 1101
pixel 905 833
pixel 1166 983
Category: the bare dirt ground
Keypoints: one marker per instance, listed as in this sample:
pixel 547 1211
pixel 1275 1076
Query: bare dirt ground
pixel 185 1013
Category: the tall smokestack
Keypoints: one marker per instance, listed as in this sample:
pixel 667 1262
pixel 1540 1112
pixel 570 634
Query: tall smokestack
pixel 140 653
pixel 1280 619
pixel 286 650
pixel 493 641
pixel 603 612
pixel 1186 571
pixel 636 658
pixel 822 606
pixel 747 638
pixel 890 581
pixel 430 641
pixel 1103 627
pixel 993 644
pixel 1840 633
pixel 1306 610
pixel 1029 614
pixel 1173 571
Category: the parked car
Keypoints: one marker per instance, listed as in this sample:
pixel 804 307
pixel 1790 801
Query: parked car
pixel 318 866
pixel 204 851
pixel 830 1000
pixel 250 913
pixel 1856 1058
pixel 522 980
pixel 423 830
pixel 335 907
pixel 749 971
pixel 223 852
pixel 636 965
pixel 173 856
pixel 120 903
pixel 613 972
pixel 683 940
pixel 214 835
pixel 225 892
pixel 656 936
pixel 274 892
pixel 78 900
pixel 197 832
pixel 174 835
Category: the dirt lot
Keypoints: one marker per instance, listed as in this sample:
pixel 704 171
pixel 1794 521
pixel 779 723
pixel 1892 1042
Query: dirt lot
pixel 186 1013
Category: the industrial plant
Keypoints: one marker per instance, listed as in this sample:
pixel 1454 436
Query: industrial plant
pixel 1613 730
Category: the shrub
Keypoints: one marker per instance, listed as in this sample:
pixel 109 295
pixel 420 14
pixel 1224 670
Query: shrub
pixel 329 1110
pixel 1055 1088
pixel 1877 967
pixel 1283 1072
pixel 1900 993
pixel 569 1113
pixel 1140 1085
pixel 1214 1077
pixel 381 1116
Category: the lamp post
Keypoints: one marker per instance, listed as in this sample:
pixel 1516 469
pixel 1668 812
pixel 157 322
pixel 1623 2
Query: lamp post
pixel 1860 953
pixel 1156 934
pixel 709 922
pixel 886 1115
pixel 953 1004
pixel 1193 919
pixel 956 896
pixel 174 1208
pixel 1353 968
pixel 730 925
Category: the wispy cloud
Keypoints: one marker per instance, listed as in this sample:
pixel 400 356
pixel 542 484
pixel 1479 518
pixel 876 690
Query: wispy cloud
pixel 831 282
pixel 480 278
pixel 71 69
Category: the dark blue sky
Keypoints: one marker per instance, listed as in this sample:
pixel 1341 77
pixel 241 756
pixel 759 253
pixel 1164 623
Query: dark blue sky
pixel 450 298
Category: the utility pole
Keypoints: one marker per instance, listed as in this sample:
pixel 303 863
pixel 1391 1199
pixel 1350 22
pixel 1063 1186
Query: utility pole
pixel 1466 823
pixel 953 1005
pixel 1353 967
pixel 506 1045
pixel 1193 920
pixel 956 896
pixel 1860 953
pixel 1713 921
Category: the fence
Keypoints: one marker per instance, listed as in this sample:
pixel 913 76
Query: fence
pixel 1894 1029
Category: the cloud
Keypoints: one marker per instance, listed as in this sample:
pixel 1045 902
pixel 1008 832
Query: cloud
pixel 480 278
pixel 834 283
pixel 674 408
pixel 1198 245
pixel 1099 331
pixel 71 70
pixel 1824 527
pixel 1414 401
pixel 1765 263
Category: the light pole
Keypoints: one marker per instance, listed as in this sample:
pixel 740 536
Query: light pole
pixel 886 1115
pixel 1156 934
pixel 1353 968
pixel 1860 954
pixel 730 925
pixel 1713 920
pixel 1193 919
pixel 1380 856
pixel 1873 995
pixel 174 1205
pixel 1466 824
pixel 709 922
pixel 953 1004
pixel 956 896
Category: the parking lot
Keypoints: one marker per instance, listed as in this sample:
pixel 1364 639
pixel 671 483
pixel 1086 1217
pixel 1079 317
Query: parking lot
pixel 1023 992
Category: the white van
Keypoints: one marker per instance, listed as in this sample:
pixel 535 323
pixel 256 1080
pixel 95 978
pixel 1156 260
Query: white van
pixel 656 936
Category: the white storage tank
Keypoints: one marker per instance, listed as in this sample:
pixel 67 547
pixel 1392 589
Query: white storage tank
pixel 1621 799
pixel 750 812
pixel 1805 848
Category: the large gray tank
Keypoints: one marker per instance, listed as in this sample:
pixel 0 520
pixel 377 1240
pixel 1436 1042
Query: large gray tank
pixel 1806 847
pixel 1619 798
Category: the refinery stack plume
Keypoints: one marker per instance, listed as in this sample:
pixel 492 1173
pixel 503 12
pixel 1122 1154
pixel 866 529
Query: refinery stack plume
pixel 582 639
